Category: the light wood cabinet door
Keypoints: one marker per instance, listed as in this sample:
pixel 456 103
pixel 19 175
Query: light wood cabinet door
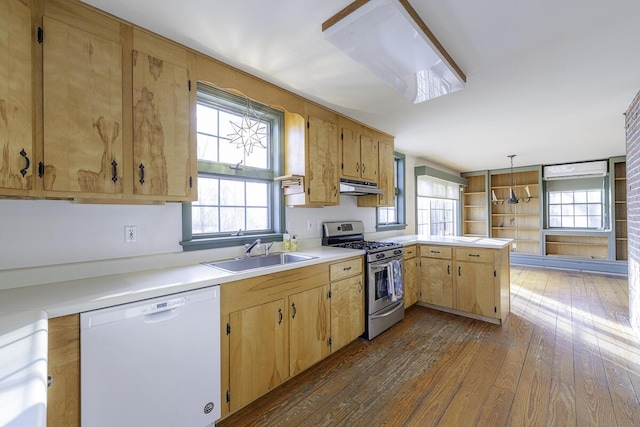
pixel 308 328
pixel 82 110
pixel 323 180
pixel 437 282
pixel 161 127
pixel 475 288
pixel 386 165
pixel 410 281
pixel 258 357
pixel 347 311
pixel 350 153
pixel 368 158
pixel 63 396
pixel 16 98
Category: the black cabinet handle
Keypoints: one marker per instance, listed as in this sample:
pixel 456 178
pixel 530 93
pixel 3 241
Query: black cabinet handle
pixel 23 153
pixel 346 269
pixel 458 270
pixel 335 191
pixel 360 286
pixel 357 167
pixel 114 178
pixel 293 305
pixel 49 381
pixel 363 167
pixel 141 173
pixel 40 170
pixel 435 252
pixel 280 313
pixel 448 269
pixel 474 255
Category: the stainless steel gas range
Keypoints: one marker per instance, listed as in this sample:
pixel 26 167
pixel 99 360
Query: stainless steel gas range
pixel 384 303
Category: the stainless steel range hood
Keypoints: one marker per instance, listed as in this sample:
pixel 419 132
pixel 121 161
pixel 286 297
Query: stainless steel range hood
pixel 356 188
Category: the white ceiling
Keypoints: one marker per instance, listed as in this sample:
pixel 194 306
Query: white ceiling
pixel 547 80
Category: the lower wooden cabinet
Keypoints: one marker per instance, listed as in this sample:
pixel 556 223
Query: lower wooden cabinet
pixel 257 346
pixel 411 271
pixel 309 328
pixel 277 325
pixel 466 280
pixel 436 286
pixel 63 396
pixel 347 303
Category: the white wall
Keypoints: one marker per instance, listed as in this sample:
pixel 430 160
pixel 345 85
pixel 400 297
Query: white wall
pixel 50 232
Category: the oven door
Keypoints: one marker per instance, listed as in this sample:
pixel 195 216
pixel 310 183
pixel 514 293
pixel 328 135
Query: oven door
pixel 379 285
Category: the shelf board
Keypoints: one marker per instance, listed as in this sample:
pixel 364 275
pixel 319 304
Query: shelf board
pixel 621 179
pixel 516 228
pixel 520 214
pixel 621 201
pixel 475 206
pixel 499 187
pixel 602 245
pixel 622 239
pixel 475 220
pixel 475 193
pixel 573 256
pixel 621 220
pixel 474 235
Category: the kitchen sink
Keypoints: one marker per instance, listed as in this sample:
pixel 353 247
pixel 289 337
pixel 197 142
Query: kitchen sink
pixel 251 263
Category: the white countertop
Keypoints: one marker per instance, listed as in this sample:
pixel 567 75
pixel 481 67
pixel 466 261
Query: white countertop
pixel 476 242
pixel 23 369
pixel 75 296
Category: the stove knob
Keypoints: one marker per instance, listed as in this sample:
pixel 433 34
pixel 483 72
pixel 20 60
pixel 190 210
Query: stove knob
pixel 380 256
pixel 397 252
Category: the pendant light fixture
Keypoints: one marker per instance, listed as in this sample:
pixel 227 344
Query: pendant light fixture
pixel 512 200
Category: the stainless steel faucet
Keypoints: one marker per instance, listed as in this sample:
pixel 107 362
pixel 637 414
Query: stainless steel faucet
pixel 267 248
pixel 248 247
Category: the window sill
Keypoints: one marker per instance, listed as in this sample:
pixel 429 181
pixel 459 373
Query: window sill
pixel 225 242
pixel 390 227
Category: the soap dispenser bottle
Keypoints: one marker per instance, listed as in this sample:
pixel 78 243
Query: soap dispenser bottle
pixel 286 241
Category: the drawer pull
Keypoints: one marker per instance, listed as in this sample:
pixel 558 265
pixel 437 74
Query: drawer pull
pixel 459 271
pixel 346 269
pixel 293 306
pixel 280 316
pixel 434 252
pixel 448 269
pixel 474 255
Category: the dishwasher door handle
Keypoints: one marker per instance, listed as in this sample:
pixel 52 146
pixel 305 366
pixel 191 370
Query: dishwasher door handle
pixel 161 316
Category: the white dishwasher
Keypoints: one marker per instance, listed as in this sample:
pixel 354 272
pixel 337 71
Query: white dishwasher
pixel 152 363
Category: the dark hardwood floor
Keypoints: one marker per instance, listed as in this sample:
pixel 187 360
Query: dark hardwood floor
pixel 566 356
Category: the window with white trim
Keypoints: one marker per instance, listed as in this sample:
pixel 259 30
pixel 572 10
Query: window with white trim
pixel 437 206
pixel 577 203
pixel 393 217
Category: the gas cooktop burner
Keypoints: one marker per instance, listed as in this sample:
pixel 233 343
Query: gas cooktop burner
pixel 367 246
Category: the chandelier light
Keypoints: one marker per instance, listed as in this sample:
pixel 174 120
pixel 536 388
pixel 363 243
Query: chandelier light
pixel 512 200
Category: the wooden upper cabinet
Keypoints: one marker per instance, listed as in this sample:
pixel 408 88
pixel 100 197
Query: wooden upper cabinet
pixel 16 99
pixel 359 152
pixel 369 158
pixel 322 148
pixel 386 175
pixel 83 115
pixel 163 152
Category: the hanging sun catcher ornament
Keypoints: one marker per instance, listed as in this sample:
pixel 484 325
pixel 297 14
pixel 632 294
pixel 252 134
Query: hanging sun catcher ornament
pixel 250 132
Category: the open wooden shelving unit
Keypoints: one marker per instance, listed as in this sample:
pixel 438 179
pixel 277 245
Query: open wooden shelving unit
pixel 475 207
pixel 575 246
pixel 620 200
pixel 520 222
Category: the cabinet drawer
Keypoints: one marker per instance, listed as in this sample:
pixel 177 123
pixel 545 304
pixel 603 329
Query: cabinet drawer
pixel 435 252
pixel 345 269
pixel 474 255
pixel 410 251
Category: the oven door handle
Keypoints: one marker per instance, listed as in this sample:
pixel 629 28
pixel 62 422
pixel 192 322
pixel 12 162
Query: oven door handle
pixel 379 267
pixel 398 305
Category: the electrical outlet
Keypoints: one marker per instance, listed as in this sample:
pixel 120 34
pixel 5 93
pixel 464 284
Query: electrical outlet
pixel 130 233
pixel 309 225
pixel 514 245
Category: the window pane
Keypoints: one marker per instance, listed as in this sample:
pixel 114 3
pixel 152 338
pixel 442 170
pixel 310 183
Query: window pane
pixel 595 196
pixel 595 221
pixel 231 153
pixel 581 221
pixel 567 221
pixel 207 148
pixel 579 197
pixel 232 219
pixel 555 198
pixel 555 221
pixel 580 209
pixel 207 191
pixel 225 123
pixel 257 218
pixel 204 220
pixel 567 197
pixel 207 119
pixel 555 210
pixel 257 194
pixel 231 194
pixel 595 210
pixel 567 210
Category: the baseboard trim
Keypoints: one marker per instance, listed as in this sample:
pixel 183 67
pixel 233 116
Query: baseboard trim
pixel 620 268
